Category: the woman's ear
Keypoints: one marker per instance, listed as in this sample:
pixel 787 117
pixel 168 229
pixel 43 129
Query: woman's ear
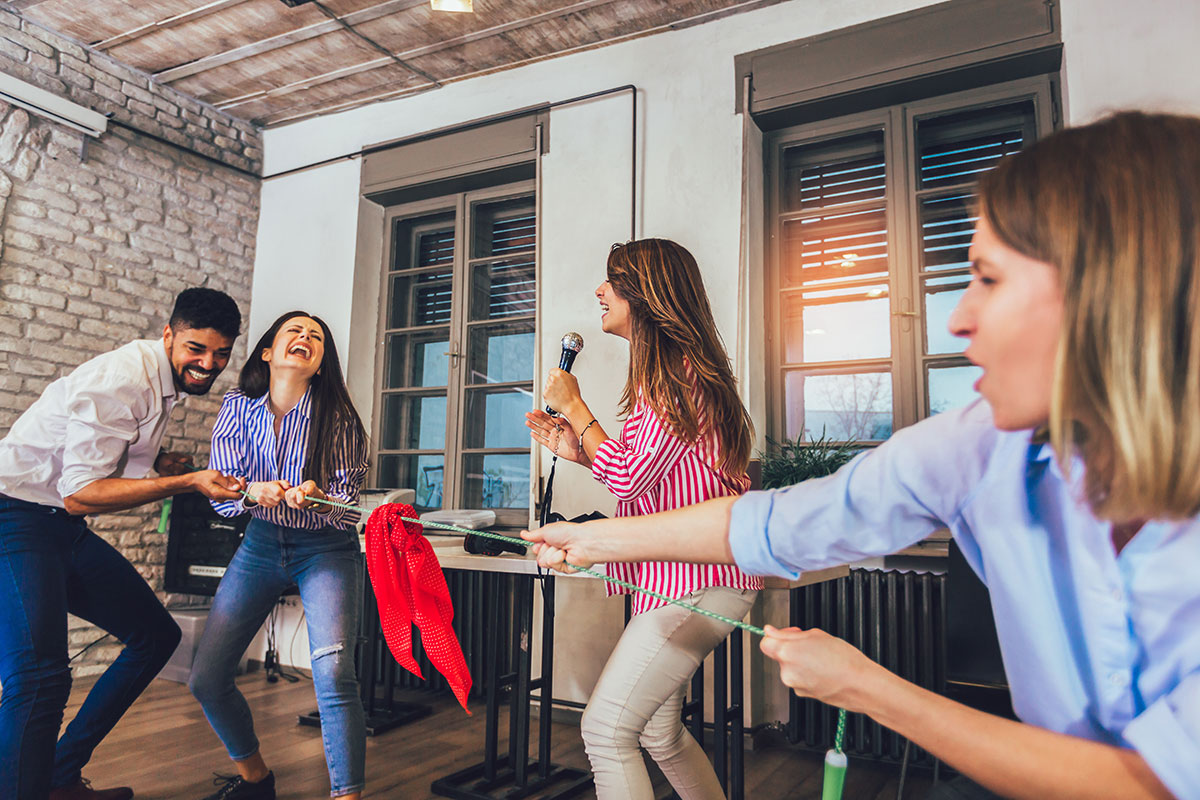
pixel 266 355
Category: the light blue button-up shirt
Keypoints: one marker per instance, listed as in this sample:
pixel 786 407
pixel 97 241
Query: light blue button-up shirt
pixel 1096 644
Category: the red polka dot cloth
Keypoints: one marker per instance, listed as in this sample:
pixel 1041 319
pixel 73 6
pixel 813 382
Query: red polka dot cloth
pixel 410 588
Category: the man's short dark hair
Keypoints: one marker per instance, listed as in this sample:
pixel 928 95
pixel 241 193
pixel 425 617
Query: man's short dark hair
pixel 199 308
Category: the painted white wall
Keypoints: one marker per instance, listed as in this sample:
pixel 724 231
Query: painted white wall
pixel 304 257
pixel 1117 55
pixel 1122 55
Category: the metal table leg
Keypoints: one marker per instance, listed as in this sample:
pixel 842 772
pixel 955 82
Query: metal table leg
pixel 514 776
pixel 737 719
pixel 721 714
pixel 545 684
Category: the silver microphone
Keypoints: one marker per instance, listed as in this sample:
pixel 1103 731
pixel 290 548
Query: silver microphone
pixel 572 343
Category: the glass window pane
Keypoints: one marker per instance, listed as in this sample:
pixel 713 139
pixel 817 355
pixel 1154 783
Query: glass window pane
pixel 837 324
pixel 423 474
pixel 496 481
pixel 496 417
pixel 423 241
pixel 947 225
pixel 956 148
pixel 500 353
pixel 417 359
pixel 952 387
pixel 828 174
pixel 941 298
pixel 413 422
pixel 835 248
pixel 503 289
pixel 854 407
pixel 508 226
pixel 422 299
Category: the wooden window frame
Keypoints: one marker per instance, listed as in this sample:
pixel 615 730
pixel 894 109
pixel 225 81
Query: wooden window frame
pixel 908 363
pixel 463 205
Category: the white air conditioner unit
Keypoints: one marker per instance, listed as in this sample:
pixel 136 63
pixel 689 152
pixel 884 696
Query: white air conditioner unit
pixel 51 106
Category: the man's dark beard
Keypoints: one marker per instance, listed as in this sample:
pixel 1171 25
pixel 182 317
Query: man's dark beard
pixel 182 385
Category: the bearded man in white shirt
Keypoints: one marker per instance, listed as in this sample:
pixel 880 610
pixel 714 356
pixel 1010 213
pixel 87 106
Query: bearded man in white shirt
pixel 88 446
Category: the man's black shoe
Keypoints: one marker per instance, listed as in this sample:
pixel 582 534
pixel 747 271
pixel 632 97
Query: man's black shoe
pixel 234 787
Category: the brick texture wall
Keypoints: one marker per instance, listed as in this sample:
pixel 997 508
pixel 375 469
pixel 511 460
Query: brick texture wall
pixel 97 241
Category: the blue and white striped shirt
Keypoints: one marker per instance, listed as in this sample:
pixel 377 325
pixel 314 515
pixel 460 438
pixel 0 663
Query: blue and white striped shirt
pixel 244 446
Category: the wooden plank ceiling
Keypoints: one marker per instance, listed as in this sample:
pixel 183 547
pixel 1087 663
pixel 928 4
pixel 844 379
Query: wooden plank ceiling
pixel 269 63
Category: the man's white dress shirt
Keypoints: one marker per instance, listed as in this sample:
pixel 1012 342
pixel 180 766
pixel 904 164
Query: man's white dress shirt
pixel 104 420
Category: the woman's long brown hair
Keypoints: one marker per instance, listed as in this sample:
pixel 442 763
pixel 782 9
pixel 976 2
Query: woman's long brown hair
pixel 672 330
pixel 335 432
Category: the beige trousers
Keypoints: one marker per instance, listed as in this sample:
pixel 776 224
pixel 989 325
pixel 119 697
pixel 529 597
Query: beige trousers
pixel 640 693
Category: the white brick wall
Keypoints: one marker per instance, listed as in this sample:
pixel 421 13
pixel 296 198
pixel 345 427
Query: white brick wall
pixel 94 250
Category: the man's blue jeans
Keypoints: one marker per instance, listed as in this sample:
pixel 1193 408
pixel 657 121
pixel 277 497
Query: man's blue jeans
pixel 327 567
pixel 51 564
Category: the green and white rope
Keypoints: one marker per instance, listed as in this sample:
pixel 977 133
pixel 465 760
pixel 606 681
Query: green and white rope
pixel 737 623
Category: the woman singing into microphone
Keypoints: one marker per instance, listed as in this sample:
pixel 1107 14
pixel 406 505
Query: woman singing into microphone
pixel 686 439
pixel 291 431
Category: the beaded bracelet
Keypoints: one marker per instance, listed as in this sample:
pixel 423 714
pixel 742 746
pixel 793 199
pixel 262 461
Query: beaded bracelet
pixel 582 432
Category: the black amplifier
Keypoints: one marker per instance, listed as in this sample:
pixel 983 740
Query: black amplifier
pixel 200 545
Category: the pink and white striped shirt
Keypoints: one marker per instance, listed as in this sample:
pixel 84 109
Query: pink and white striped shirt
pixel 650 470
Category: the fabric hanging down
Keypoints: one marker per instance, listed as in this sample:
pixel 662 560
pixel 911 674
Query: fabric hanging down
pixel 411 589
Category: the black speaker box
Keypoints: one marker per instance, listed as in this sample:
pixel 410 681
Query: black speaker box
pixel 200 545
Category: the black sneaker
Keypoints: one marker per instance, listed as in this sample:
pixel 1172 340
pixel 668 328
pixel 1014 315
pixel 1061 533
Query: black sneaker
pixel 236 788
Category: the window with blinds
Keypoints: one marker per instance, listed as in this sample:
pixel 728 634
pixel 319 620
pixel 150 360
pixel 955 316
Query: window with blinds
pixel 834 292
pixel 457 373
pixel 952 150
pixel 872 220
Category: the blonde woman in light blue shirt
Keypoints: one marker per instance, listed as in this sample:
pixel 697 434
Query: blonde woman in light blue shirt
pixel 1073 487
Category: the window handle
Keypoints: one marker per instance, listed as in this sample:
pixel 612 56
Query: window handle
pixel 906 313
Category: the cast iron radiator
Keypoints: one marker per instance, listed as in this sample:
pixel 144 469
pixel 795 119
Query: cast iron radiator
pixel 468 589
pixel 898 619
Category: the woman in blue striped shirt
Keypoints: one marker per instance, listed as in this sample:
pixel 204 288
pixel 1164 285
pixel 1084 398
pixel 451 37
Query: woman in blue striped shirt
pixel 291 431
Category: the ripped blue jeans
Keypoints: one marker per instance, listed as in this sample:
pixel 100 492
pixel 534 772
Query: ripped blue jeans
pixel 327 567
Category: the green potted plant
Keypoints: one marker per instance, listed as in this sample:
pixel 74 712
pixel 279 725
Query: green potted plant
pixel 786 461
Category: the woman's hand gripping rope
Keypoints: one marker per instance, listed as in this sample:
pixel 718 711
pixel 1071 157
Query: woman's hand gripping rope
pixel 306 495
pixel 561 546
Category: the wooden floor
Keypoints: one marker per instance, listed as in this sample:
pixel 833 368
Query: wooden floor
pixel 165 750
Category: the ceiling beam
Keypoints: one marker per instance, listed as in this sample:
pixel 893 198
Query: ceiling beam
pixel 374 45
pixel 384 9
pixel 301 112
pixel 169 22
pixel 406 55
